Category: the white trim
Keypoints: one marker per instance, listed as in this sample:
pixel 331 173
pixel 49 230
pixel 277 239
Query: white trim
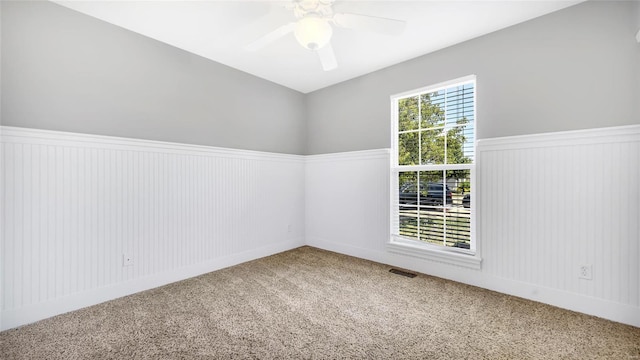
pixel 450 256
pixel 38 311
pixel 405 168
pixel 10 134
pixel 350 250
pixel 435 87
pixel 349 155
pixel 617 134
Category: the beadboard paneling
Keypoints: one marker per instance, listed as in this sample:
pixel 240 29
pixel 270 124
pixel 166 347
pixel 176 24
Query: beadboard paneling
pixel 347 200
pixel 560 201
pixel 73 204
pixel 546 204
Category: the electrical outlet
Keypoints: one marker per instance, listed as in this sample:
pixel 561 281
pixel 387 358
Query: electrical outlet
pixel 127 260
pixel 289 228
pixel 584 272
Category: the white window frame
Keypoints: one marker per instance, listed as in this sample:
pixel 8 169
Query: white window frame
pixel 469 258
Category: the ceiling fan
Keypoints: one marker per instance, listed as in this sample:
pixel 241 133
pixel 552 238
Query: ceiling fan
pixel 313 28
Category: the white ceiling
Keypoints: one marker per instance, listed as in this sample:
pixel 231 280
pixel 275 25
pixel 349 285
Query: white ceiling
pixel 219 30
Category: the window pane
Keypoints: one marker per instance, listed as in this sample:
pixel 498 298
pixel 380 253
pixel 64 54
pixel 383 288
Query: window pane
pixel 408 226
pixel 469 139
pixel 408 190
pixel 458 218
pixel 459 104
pixel 458 221
pixel 459 183
pixel 432 147
pixel 460 116
pixel 455 146
pixel 432 109
pixel 456 140
pixel 433 191
pixel 408 149
pixel 432 226
pixel 408 114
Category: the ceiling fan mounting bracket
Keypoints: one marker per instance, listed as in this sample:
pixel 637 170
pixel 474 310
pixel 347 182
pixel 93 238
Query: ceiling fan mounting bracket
pixel 317 8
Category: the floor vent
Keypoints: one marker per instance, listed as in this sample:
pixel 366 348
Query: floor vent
pixel 403 273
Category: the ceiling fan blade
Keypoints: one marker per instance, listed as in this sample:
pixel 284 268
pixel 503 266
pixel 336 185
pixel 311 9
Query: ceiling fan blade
pixel 369 23
pixel 270 37
pixel 327 57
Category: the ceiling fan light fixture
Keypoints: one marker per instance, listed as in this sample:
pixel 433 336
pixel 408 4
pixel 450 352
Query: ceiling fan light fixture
pixel 313 32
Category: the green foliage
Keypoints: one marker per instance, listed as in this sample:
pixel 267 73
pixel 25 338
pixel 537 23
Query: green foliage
pixel 464 187
pixel 408 114
pixel 408 149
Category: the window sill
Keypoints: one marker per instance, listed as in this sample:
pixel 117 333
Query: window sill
pixel 429 252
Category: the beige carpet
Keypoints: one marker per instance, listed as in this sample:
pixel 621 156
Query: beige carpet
pixel 313 304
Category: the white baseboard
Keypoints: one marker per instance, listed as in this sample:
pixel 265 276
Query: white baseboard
pixel 368 254
pixel 35 312
pixel 617 312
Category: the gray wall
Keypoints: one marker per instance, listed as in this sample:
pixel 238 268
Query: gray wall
pixel 573 69
pixel 637 29
pixel 637 5
pixel 62 70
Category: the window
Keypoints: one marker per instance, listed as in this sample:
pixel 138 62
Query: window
pixel 433 168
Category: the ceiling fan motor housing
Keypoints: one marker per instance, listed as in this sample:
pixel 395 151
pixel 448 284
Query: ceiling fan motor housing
pixel 313 32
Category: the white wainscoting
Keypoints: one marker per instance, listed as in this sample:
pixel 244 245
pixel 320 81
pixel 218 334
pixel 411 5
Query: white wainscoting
pixel 73 204
pixel 347 200
pixel 547 204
